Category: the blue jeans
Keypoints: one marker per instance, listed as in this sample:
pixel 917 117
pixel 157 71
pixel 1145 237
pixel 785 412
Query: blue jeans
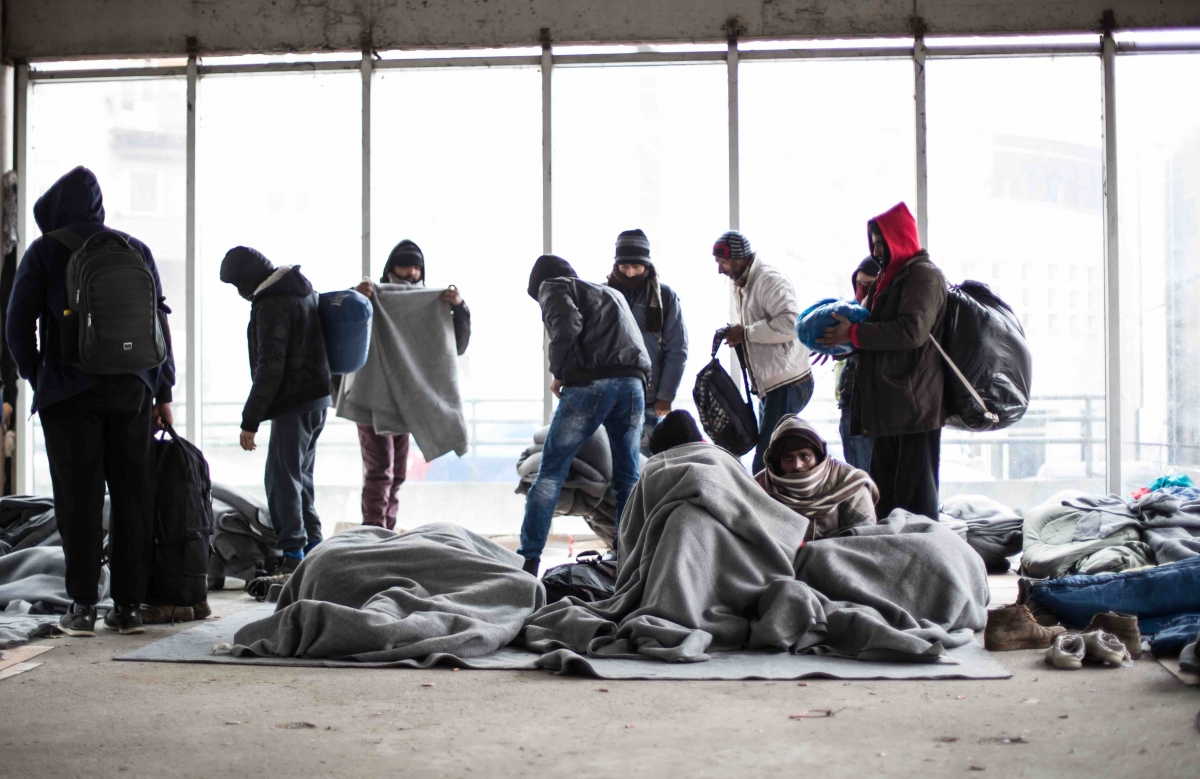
pixel 619 405
pixel 778 403
pixel 648 428
pixel 291 497
pixel 856 449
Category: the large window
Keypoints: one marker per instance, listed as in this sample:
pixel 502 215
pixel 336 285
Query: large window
pixel 456 164
pixel 1015 200
pixel 646 147
pixel 824 147
pixel 1158 139
pixel 132 135
pixel 279 162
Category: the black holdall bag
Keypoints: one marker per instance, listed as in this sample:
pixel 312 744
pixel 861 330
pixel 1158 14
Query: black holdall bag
pixel 183 523
pixel 984 345
pixel 727 418
pixel 113 325
pixel 590 578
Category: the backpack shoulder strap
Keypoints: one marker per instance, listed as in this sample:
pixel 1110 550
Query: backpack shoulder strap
pixel 67 239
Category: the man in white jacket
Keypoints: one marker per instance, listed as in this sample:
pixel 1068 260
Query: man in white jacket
pixel 766 329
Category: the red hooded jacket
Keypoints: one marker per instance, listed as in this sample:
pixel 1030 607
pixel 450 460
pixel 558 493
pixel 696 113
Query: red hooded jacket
pixel 899 230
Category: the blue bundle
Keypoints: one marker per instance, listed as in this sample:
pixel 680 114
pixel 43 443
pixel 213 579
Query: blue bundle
pixel 811 324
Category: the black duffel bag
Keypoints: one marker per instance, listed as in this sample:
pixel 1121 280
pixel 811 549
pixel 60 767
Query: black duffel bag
pixel 990 367
pixel 726 417
pixel 590 578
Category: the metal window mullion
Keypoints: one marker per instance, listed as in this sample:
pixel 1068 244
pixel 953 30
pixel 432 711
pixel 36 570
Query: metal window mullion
pixel 368 70
pixel 547 211
pixel 735 197
pixel 23 457
pixel 194 357
pixel 1112 299
pixel 922 140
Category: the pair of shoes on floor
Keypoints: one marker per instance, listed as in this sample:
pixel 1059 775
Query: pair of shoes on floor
pixel 1123 626
pixel 1069 650
pixel 1013 627
pixel 1042 615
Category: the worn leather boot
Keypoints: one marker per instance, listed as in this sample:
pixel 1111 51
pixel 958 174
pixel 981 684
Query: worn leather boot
pixel 1013 627
pixel 1042 615
pixel 202 610
pixel 1123 626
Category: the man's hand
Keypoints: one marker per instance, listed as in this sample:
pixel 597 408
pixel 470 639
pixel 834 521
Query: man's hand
pixel 8 412
pixel 452 297
pixel 248 441
pixel 365 288
pixel 838 334
pixel 662 408
pixel 163 416
pixel 556 387
pixel 735 335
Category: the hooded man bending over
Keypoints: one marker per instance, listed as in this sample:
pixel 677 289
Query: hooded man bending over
pixel 600 368
pixel 801 475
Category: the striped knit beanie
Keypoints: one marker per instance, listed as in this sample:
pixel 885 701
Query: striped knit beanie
pixel 733 246
pixel 633 248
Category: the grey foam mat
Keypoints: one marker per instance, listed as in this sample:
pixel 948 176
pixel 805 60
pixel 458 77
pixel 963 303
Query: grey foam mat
pixel 195 645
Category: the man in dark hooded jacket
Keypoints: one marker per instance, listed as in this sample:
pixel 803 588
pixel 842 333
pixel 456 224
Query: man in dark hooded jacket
pixel 290 371
pixel 385 457
pixel 98 429
pixel 600 369
pixel 656 308
pixel 898 390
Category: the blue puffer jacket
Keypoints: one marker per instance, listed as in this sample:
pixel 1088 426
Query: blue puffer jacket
pixel 39 295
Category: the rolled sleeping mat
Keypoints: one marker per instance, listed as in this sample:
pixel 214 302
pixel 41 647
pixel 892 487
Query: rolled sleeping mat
pixel 811 324
pixel 346 323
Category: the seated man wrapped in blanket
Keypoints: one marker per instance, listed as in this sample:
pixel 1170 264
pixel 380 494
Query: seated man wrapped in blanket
pixel 710 562
pixel 801 475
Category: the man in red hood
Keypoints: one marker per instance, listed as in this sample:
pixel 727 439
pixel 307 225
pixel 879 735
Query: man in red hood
pixel 897 398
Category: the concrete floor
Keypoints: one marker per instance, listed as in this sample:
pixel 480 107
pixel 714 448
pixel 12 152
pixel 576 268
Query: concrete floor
pixel 81 714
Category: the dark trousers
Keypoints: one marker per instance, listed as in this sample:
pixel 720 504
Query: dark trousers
pixel 385 467
pixel 104 435
pixel 856 449
pixel 905 468
pixel 779 403
pixel 291 457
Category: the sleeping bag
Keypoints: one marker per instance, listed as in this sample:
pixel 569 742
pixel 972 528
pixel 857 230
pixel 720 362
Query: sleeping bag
pixel 985 340
pixel 811 324
pixel 346 324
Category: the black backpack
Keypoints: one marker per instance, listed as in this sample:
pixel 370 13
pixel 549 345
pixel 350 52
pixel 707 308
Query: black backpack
pixel 113 324
pixel 727 418
pixel 590 578
pixel 183 522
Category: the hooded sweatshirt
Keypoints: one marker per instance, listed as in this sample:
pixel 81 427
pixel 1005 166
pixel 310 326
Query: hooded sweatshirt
pixel 288 363
pixel 39 295
pixel 833 495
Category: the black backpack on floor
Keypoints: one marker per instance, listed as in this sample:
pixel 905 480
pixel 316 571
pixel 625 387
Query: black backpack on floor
pixel 113 324
pixel 727 418
pixel 183 523
pixel 590 578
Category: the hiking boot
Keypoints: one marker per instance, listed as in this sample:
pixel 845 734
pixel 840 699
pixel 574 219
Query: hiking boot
pixel 79 621
pixel 1013 627
pixel 201 610
pixel 1041 615
pixel 1123 626
pixel 1067 651
pixel 531 565
pixel 124 619
pixel 1105 647
pixel 166 615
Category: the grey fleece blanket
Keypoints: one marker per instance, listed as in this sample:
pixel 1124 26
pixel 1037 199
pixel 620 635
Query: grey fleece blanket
pixel 374 595
pixel 410 381
pixel 709 562
pixel 34 582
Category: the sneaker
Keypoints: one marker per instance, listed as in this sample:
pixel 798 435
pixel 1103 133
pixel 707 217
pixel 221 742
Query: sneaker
pixel 1123 626
pixel 79 621
pixel 1013 627
pixel 1105 647
pixel 1067 651
pixel 124 619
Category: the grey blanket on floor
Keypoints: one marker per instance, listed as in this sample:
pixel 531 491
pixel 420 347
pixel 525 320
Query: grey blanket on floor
pixel 374 595
pixel 410 381
pixel 709 563
pixel 34 581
